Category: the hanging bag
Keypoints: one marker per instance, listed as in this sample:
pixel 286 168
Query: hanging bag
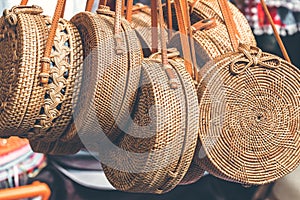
pixel 249 114
pixel 41 112
pixel 154 152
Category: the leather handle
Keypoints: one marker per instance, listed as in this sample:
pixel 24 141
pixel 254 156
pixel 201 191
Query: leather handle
pixel 164 52
pixel 170 18
pixel 89 5
pixel 102 3
pixel 230 24
pixel 276 34
pixel 45 61
pixel 186 39
pixel 204 24
pixel 24 2
pixel 44 75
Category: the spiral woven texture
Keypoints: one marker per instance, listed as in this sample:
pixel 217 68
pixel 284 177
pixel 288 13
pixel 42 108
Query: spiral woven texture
pixel 249 117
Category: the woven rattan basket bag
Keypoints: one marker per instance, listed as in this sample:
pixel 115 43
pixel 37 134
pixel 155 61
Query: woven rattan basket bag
pixel 111 73
pixel 210 33
pixel 249 116
pixel 47 109
pixel 64 82
pixel 159 143
pixel 156 149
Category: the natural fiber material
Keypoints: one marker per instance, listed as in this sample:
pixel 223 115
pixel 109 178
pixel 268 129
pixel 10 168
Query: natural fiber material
pixel 66 66
pixel 158 144
pixel 21 95
pixel 47 111
pixel 249 116
pixel 141 23
pixel 195 172
pixel 109 78
pixel 203 9
pixel 213 42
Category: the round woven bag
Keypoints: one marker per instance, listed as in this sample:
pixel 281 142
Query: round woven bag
pixel 63 89
pixel 157 147
pixel 210 32
pixel 21 94
pixel 111 73
pixel 48 111
pixel 249 117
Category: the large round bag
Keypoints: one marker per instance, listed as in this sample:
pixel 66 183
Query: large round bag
pixel 112 59
pixel 157 147
pixel 46 113
pixel 249 116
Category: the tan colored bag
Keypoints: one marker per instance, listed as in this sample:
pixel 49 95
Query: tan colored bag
pixel 249 115
pixel 45 113
pixel 111 73
pixel 155 150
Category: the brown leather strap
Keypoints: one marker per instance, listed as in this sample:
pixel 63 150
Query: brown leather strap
pixel 164 52
pixel 63 10
pixel 24 2
pixel 182 19
pixel 117 27
pixel 170 19
pixel 204 24
pixel 102 3
pixel 44 75
pixel 154 25
pixel 230 24
pixel 89 5
pixel 129 9
pixel 276 34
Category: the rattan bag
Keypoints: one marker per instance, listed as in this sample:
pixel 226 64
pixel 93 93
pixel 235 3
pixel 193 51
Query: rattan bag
pixel 45 112
pixel 156 148
pixel 249 115
pixel 111 73
pixel 159 142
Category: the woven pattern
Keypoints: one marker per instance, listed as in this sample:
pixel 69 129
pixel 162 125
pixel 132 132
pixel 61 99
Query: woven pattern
pixel 207 8
pixel 213 42
pixel 50 133
pixel 109 79
pixel 19 52
pixel 195 171
pixel 141 23
pixel 249 116
pixel 160 140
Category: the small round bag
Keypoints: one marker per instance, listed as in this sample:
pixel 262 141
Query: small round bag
pixel 47 110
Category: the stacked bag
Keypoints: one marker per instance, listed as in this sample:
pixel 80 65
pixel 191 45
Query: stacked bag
pixel 164 94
